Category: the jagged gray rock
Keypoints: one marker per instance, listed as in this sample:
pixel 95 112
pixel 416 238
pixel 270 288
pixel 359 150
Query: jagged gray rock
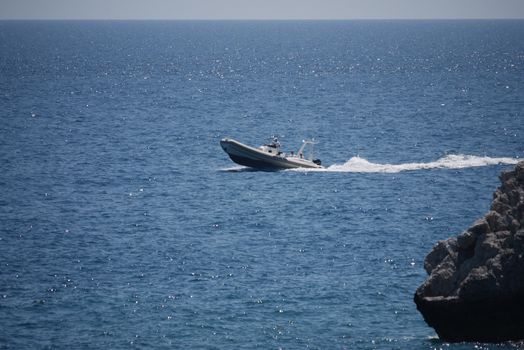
pixel 475 288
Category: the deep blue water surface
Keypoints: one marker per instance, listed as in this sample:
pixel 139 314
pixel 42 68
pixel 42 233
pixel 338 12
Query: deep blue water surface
pixel 122 225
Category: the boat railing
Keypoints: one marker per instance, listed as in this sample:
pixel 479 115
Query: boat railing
pixel 307 144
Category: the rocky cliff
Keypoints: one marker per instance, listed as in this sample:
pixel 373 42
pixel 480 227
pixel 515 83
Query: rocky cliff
pixel 475 288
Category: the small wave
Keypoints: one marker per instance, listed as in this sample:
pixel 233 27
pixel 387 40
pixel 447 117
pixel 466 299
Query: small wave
pixel 457 161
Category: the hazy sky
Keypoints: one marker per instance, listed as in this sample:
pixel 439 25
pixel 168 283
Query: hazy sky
pixel 259 9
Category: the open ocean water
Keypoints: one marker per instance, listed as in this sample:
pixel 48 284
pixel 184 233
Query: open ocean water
pixel 124 225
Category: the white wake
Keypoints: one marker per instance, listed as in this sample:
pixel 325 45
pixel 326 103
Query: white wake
pixel 458 161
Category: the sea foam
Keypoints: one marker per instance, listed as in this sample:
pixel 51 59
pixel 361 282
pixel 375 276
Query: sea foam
pixel 458 161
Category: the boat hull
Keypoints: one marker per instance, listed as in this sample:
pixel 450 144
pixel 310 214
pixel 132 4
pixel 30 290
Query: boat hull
pixel 255 158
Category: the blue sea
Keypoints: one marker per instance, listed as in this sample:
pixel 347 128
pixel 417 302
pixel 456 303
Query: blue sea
pixel 124 225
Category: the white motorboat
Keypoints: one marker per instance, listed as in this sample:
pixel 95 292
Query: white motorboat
pixel 269 156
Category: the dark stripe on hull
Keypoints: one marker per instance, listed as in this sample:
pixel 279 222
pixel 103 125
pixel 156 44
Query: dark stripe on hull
pixel 255 163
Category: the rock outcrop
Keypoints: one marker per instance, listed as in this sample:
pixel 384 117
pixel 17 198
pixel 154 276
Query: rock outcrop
pixel 475 288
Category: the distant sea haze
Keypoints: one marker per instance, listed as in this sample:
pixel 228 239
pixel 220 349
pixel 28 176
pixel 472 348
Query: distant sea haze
pixel 125 224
